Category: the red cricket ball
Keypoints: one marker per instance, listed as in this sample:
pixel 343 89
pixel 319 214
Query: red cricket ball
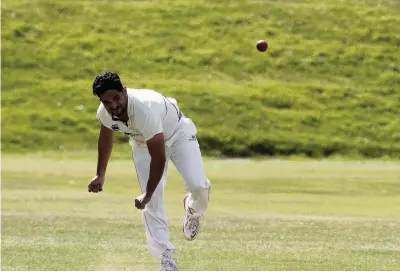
pixel 262 45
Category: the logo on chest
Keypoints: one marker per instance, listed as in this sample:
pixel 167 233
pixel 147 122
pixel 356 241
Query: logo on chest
pixel 115 127
pixel 133 134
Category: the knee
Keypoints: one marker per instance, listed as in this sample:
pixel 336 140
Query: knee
pixel 198 185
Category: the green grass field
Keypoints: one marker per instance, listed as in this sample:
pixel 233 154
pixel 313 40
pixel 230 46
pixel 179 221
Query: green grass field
pixel 327 86
pixel 263 215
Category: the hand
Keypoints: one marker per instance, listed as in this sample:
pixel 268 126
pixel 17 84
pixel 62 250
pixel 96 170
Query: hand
pixel 142 200
pixel 96 185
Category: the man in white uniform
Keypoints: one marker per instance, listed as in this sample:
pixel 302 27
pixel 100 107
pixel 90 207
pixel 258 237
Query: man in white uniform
pixel 158 132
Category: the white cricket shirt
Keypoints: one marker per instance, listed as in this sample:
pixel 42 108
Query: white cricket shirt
pixel 149 113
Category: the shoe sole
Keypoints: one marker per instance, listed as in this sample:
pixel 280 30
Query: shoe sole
pixel 191 238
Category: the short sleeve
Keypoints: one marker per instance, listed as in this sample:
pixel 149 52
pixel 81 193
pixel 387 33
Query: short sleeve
pixel 98 113
pixel 149 123
pixel 102 116
pixel 98 117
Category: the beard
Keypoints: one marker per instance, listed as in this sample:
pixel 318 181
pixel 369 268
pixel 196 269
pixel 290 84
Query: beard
pixel 119 111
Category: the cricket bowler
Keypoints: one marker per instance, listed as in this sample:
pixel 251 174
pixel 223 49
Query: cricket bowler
pixel 159 132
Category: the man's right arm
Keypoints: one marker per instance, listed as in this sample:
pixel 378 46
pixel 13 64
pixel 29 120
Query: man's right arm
pixel 104 146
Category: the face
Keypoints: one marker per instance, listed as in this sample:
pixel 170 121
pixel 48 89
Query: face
pixel 115 102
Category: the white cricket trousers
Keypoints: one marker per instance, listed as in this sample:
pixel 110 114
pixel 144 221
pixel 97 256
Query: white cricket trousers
pixel 184 151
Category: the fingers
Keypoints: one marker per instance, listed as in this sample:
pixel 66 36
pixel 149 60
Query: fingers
pixel 95 188
pixel 139 204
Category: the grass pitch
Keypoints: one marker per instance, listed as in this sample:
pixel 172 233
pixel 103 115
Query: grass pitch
pixel 263 215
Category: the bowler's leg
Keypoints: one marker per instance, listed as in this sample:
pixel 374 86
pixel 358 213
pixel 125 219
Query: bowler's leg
pixel 186 156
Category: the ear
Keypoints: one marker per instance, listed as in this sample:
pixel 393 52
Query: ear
pixel 124 90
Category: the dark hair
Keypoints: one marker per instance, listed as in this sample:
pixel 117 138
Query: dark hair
pixel 105 82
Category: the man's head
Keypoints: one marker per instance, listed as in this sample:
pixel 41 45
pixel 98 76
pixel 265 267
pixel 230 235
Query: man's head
pixel 108 87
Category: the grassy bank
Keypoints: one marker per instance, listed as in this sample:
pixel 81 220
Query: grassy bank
pixel 327 86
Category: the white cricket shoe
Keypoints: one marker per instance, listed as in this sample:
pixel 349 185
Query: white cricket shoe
pixel 191 223
pixel 167 262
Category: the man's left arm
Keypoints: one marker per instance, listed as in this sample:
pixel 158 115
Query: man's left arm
pixel 150 124
pixel 157 153
pixel 157 164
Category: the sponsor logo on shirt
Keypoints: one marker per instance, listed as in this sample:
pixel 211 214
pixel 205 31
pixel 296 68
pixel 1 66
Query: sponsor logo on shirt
pixel 133 134
pixel 115 127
